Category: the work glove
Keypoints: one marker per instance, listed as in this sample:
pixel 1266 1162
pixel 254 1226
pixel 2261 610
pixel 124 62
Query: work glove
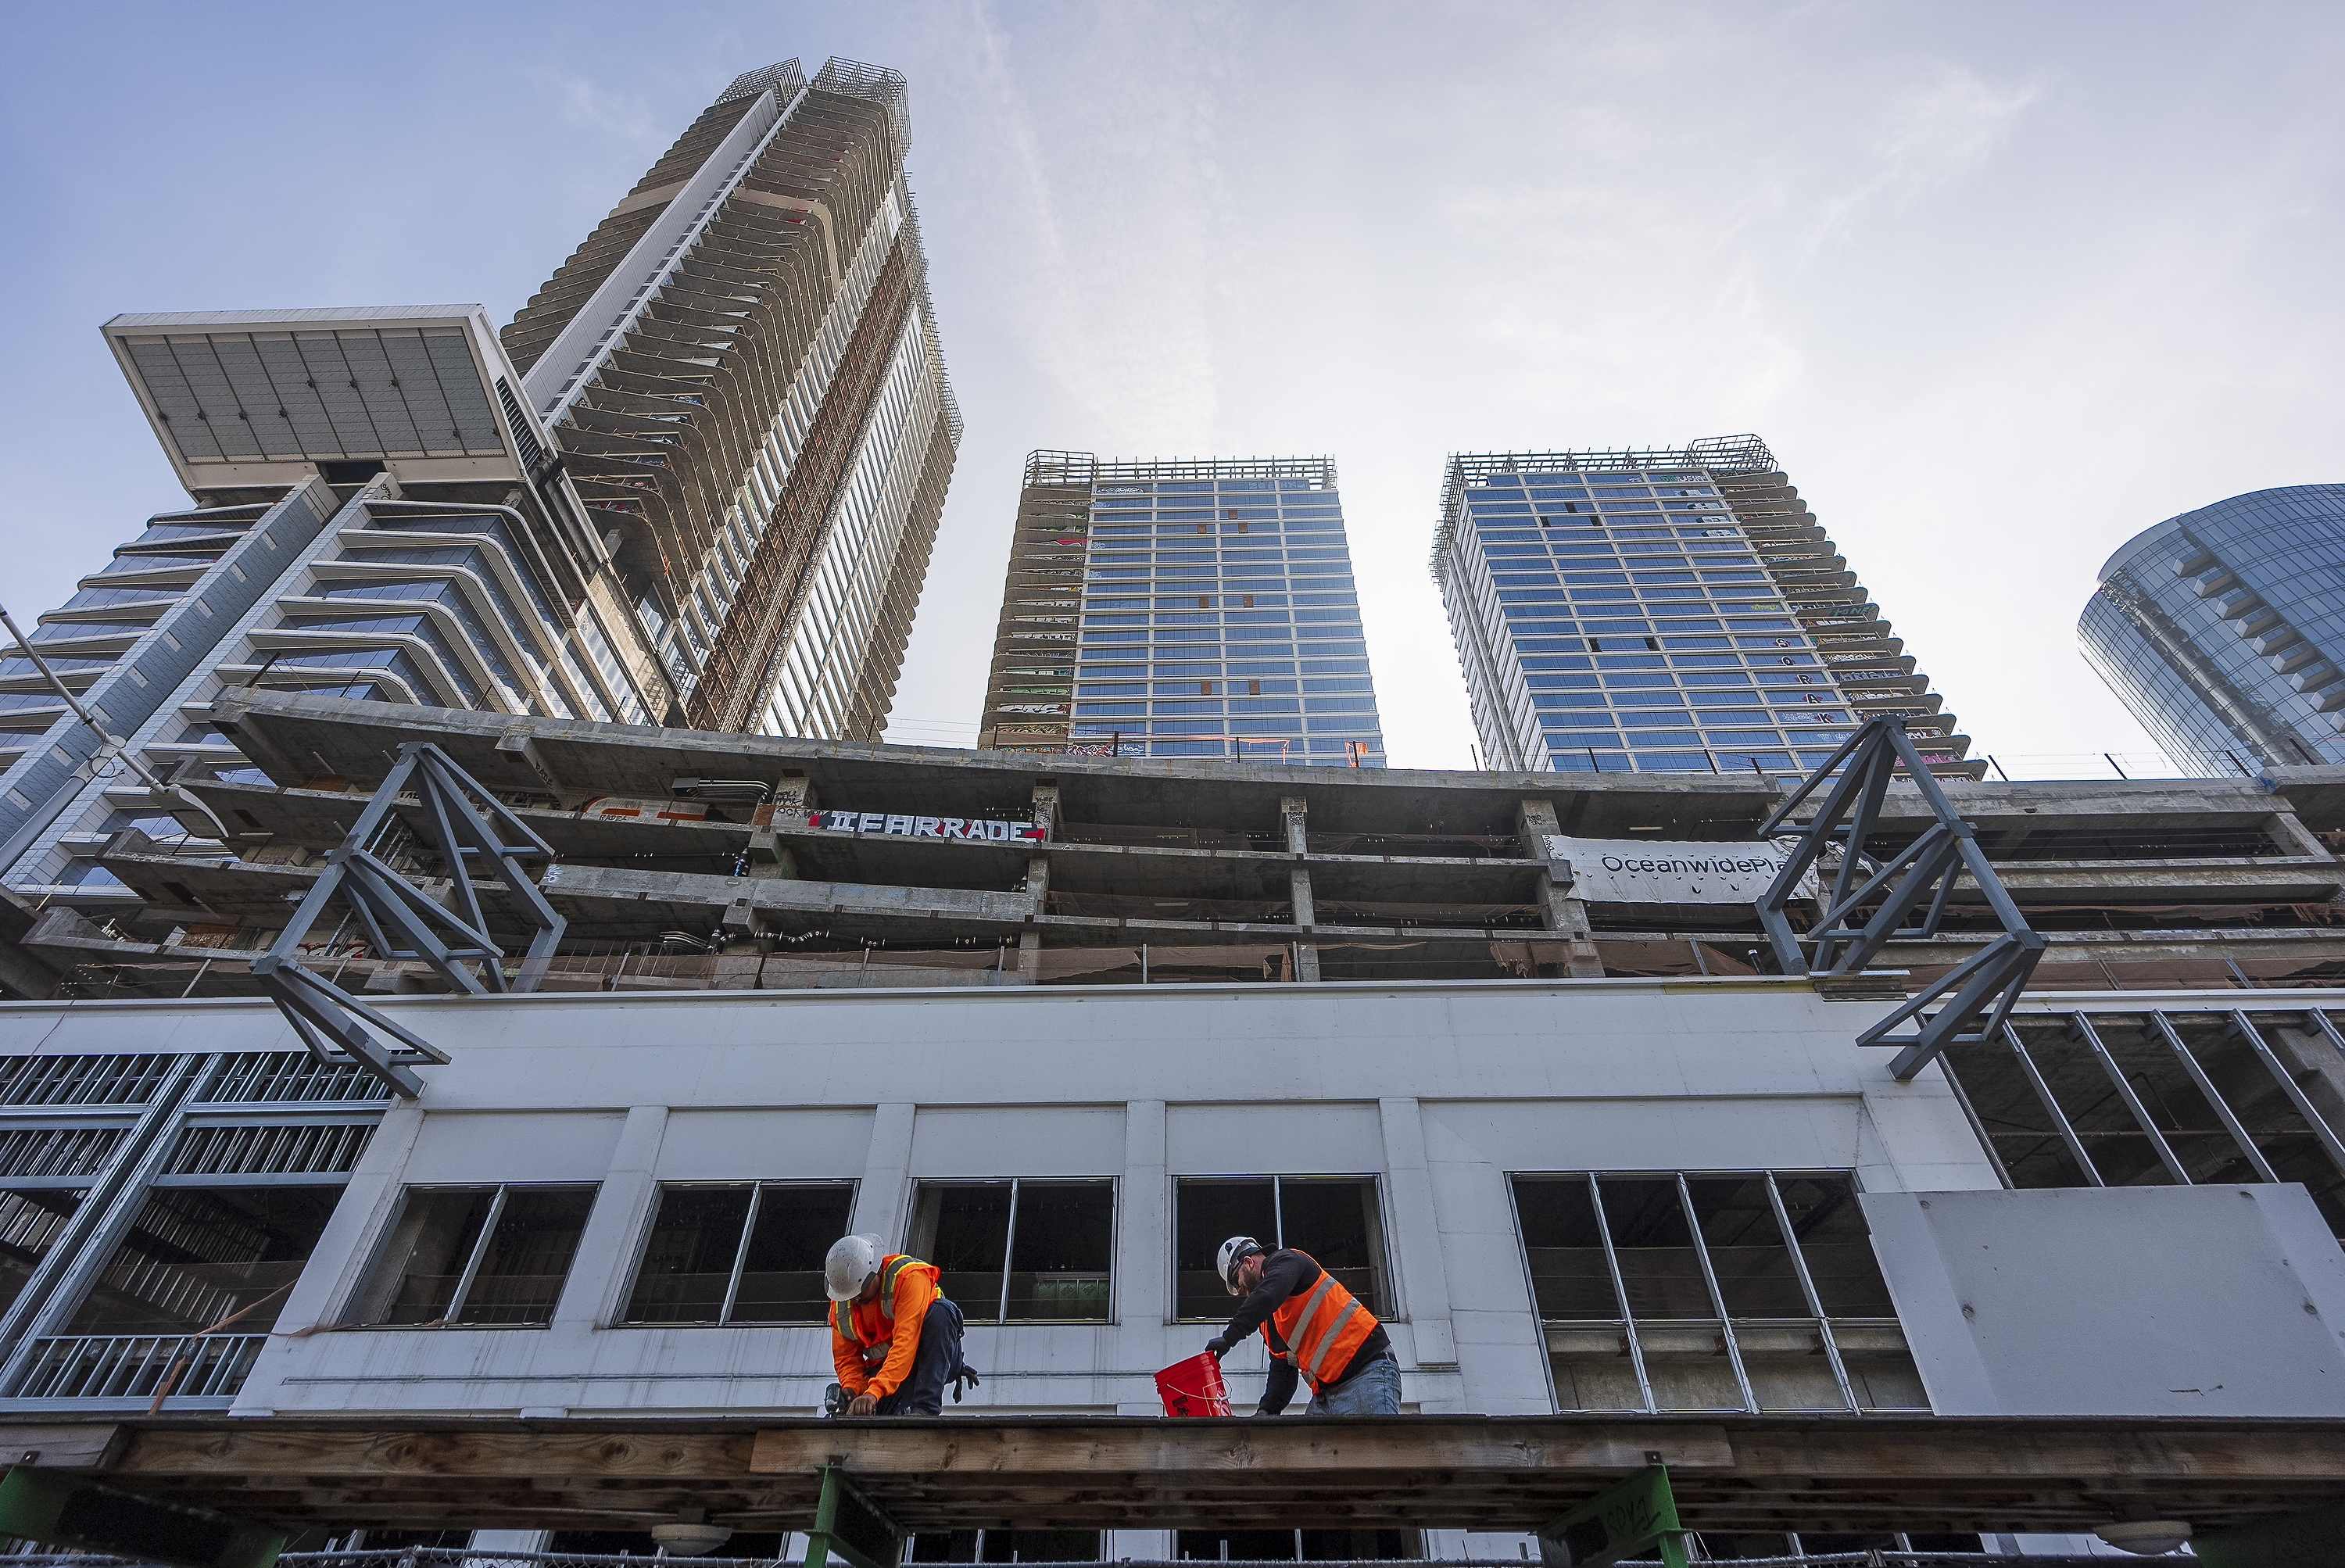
pixel 1215 1348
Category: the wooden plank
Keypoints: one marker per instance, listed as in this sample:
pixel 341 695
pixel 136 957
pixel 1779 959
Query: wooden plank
pixel 277 1447
pixel 1747 1473
pixel 1171 1447
pixel 80 1446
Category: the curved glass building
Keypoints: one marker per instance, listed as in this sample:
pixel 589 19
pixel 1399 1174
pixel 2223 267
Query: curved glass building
pixel 2224 629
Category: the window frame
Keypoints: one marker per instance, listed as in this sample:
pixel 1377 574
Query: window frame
pixel 1379 1237
pixel 633 1276
pixel 472 1259
pixel 1627 1322
pixel 1001 1319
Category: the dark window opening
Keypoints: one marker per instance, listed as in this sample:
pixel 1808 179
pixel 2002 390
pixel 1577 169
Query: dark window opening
pixel 1333 1218
pixel 639 1543
pixel 379 1539
pixel 1297 1545
pixel 739 1252
pixel 30 1224
pixel 1731 1290
pixel 485 1257
pixel 197 1256
pixel 1006 1546
pixel 356 472
pixel 1020 1251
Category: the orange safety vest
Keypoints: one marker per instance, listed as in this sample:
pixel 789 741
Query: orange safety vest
pixel 872 1339
pixel 1324 1327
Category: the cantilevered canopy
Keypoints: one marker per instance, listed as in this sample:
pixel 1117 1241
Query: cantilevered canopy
pixel 258 397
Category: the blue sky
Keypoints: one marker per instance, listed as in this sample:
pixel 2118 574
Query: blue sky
pixel 2002 284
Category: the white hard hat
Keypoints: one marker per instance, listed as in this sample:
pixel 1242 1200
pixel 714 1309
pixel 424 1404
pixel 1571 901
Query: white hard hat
pixel 1233 1251
pixel 849 1265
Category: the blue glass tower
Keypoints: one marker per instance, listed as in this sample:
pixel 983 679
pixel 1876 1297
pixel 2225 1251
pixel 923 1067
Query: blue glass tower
pixel 2223 630
pixel 1671 611
pixel 1217 614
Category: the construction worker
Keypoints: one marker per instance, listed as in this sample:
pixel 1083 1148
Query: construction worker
pixel 895 1335
pixel 1315 1328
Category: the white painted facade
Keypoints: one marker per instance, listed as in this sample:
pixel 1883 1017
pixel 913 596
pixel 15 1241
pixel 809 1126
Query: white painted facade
pixel 1440 1090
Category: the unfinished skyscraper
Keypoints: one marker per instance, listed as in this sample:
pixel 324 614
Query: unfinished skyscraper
pixel 695 482
pixel 1214 602
pixel 1665 611
pixel 741 367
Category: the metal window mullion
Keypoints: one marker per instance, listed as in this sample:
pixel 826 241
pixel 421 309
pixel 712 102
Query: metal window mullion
pixel 1970 1114
pixel 2092 1038
pixel 456 1313
pixel 1717 1297
pixel 1808 1288
pixel 2052 1107
pixel 741 1252
pixel 1009 1241
pixel 1620 1294
pixel 2328 1027
pixel 2289 1085
pixel 2222 1108
pixel 1277 1215
pixel 86 1240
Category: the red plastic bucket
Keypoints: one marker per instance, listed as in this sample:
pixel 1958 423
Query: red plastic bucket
pixel 1194 1387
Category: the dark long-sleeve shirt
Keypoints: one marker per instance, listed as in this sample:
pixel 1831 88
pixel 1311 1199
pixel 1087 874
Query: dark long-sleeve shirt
pixel 1288 1273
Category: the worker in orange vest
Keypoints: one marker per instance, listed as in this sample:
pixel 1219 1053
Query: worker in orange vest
pixel 1316 1329
pixel 895 1335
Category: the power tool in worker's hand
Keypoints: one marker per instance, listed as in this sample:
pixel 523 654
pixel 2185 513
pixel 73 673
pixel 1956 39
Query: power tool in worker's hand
pixel 834 1400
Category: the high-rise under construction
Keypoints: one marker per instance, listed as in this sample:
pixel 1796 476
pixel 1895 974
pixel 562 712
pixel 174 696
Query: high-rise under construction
pixel 1664 611
pixel 694 483
pixel 741 367
pixel 1181 607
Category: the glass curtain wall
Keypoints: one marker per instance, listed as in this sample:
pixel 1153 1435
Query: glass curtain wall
pixel 1219 619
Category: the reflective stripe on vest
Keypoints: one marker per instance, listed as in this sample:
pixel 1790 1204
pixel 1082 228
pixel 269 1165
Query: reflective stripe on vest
pixel 1324 1328
pixel 842 1313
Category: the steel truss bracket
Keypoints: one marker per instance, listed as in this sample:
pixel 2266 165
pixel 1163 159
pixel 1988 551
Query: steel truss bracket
pixel 474 833
pixel 1628 1519
pixel 850 1526
pixel 1906 889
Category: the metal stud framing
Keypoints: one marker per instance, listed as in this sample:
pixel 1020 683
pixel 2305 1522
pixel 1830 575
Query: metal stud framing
pixel 2161 1026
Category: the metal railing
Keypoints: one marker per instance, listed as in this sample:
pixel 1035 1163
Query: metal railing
pixel 138 1366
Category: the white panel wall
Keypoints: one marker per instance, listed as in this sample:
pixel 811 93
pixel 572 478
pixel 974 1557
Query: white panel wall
pixel 770 1145
pixel 1297 1138
pixel 1438 1090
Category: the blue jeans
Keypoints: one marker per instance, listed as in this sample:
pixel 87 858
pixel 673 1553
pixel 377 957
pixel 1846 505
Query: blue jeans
pixel 933 1364
pixel 1373 1390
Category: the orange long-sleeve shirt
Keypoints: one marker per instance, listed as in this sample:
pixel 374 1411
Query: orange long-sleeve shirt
pixel 916 1288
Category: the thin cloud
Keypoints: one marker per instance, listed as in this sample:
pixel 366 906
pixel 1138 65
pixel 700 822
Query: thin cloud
pixel 1930 137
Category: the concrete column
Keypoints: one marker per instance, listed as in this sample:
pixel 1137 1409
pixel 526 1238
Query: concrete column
pixel 598 1270
pixel 2288 831
pixel 886 1174
pixel 1293 811
pixel 1567 916
pixel 365 1207
pixel 769 858
pixel 1416 1238
pixel 1143 1289
pixel 1038 880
